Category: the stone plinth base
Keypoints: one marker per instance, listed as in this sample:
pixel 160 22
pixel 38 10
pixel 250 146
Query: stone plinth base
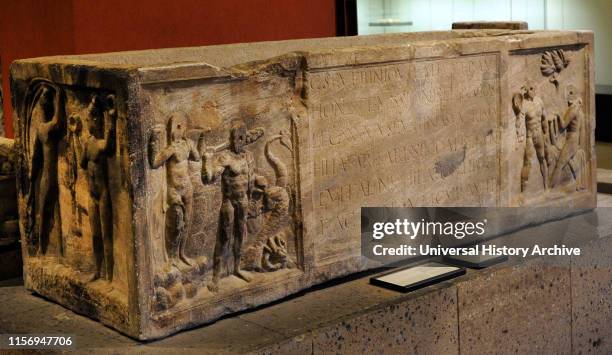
pixel 541 305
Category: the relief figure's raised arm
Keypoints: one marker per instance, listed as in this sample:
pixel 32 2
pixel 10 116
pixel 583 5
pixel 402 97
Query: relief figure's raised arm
pixel 108 142
pixel 212 166
pixel 158 155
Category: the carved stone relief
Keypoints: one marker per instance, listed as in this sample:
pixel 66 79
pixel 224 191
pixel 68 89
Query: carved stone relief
pixel 161 190
pixel 529 108
pixel 72 204
pixel 569 154
pixel 551 134
pixel 235 167
pixel 252 234
pixel 81 139
pixel 92 155
pixel 272 204
pixel 177 153
pixel 45 115
pixel 553 62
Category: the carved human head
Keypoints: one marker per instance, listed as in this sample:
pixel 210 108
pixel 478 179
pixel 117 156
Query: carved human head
pixel 238 137
pixel 177 126
pixel 75 125
pixel 529 90
pixel 571 93
pixel 46 101
pixel 96 116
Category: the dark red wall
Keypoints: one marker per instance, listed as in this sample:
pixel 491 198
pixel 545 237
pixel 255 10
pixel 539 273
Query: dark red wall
pixel 32 28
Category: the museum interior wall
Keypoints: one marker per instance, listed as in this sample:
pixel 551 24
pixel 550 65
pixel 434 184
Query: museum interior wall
pixel 49 27
pixel 388 16
pixel 438 15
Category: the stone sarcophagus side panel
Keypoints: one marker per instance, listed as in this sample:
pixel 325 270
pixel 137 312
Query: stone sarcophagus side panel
pixel 163 189
pixel 74 193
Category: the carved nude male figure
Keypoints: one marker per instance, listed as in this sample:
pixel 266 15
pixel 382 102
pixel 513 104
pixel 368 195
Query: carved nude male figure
pixel 236 168
pixel 176 155
pixel 94 159
pixel 531 108
pixel 44 174
pixel 571 121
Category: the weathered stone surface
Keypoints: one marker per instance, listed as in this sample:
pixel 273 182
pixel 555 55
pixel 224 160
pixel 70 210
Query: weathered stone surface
pixel 591 301
pixel 604 181
pixel 301 344
pixel 299 325
pixel 162 189
pixel 426 325
pixel 521 309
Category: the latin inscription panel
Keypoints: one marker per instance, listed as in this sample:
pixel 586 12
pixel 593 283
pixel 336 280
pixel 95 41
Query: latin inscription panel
pixel 418 133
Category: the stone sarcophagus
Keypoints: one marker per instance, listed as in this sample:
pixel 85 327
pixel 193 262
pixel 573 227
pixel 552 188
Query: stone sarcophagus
pixel 159 190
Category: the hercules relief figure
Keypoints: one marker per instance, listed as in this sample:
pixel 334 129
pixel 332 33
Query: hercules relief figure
pixel 235 166
pixel 47 104
pixel 102 115
pixel 529 107
pixel 176 156
pixel 570 121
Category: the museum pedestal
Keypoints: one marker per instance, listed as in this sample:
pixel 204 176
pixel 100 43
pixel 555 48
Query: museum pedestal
pixel 604 181
pixel 557 305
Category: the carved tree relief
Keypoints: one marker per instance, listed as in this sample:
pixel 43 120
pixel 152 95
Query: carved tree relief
pixel 553 62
